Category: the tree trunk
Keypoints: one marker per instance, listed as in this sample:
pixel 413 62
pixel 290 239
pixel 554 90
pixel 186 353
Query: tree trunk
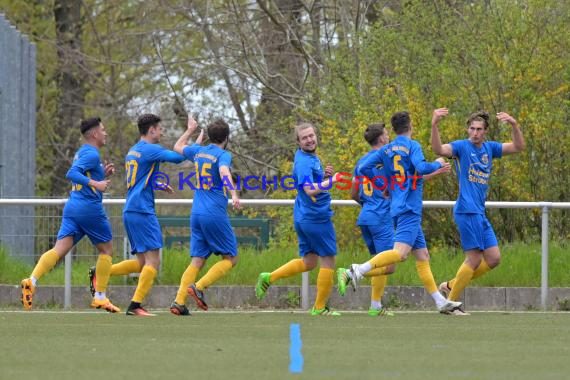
pixel 283 63
pixel 71 91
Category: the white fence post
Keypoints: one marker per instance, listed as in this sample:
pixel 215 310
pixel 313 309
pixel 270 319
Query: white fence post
pixel 67 287
pixel 544 269
pixel 305 291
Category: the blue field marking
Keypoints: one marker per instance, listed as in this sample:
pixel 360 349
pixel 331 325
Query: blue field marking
pixel 296 364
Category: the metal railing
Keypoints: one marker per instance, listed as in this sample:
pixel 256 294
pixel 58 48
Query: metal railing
pixel 545 207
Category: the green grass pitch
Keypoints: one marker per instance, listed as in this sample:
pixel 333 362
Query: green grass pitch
pixel 255 345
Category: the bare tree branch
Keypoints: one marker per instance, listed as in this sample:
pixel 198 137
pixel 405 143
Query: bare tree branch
pixel 179 107
pixel 214 48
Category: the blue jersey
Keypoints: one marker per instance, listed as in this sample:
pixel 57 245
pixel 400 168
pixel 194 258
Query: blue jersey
pixel 84 199
pixel 211 196
pixel 375 208
pixel 307 169
pixel 403 161
pixel 473 167
pixel 141 162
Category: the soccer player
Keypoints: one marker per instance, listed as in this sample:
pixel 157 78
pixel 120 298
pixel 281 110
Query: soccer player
pixel 403 160
pixel 312 219
pixel 209 221
pixel 83 214
pixel 474 162
pixel 135 265
pixel 374 219
pixel 139 216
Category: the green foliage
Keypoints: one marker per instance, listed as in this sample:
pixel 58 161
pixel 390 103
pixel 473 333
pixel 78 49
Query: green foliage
pixel 520 266
pixel 122 73
pixel 564 304
pixel 11 269
pixel 293 299
pixel 395 303
pixel 414 55
pixel 498 56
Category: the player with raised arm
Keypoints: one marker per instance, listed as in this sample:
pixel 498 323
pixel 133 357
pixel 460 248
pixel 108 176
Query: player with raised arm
pixel 404 162
pixel 83 214
pixel 209 220
pixel 142 162
pixel 474 162
pixel 135 265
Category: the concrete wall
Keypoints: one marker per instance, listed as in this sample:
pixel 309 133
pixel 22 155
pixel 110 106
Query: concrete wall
pixel 287 297
pixel 17 138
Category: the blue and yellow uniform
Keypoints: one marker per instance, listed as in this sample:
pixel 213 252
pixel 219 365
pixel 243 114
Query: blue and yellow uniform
pixel 83 213
pixel 209 221
pixel 374 220
pixel 139 217
pixel 404 162
pixel 473 167
pixel 312 214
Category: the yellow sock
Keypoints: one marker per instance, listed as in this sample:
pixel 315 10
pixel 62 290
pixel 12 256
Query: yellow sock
pixel 324 287
pixel 462 278
pixel 385 258
pixel 126 267
pixel 217 271
pixel 146 280
pixel 481 270
pixel 188 278
pixel 376 272
pixel 289 269
pixel 378 284
pixel 103 272
pixel 46 263
pixel 424 271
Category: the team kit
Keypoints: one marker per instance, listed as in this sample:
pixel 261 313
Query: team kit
pixel 390 219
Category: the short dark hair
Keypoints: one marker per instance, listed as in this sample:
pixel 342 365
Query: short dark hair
pixel 479 116
pixel 88 124
pixel 373 133
pixel 218 131
pixel 401 122
pixel 146 121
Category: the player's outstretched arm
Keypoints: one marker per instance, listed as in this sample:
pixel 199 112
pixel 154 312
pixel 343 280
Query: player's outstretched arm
pixel 183 140
pixel 422 166
pixel 518 144
pixel 370 163
pixel 436 145
pixel 443 170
